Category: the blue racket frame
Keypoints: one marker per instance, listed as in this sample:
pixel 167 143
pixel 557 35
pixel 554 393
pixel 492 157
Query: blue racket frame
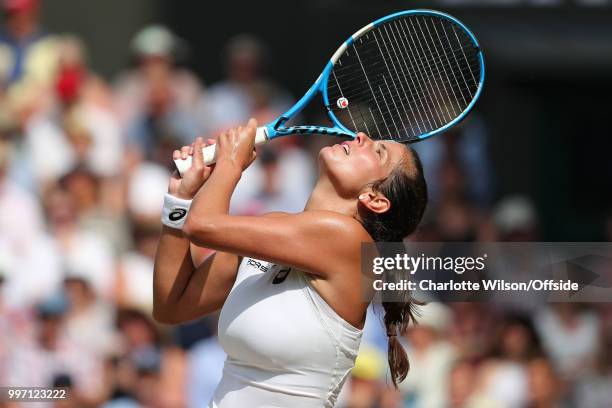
pixel 276 128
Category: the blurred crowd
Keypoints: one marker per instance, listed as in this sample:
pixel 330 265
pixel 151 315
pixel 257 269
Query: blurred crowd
pixel 84 163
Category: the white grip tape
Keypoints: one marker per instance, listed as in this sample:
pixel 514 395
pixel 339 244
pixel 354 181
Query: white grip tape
pixel 175 211
pixel 209 152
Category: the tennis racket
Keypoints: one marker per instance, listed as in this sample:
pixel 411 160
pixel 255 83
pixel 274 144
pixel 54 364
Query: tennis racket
pixel 404 77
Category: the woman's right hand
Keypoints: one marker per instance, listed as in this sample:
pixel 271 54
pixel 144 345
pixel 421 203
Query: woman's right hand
pixel 193 179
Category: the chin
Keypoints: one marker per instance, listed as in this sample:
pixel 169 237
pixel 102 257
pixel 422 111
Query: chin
pixel 327 161
pixel 325 155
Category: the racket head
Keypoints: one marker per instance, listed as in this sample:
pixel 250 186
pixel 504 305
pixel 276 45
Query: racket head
pixel 405 77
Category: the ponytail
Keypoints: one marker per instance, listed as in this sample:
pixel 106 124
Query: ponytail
pixel 407 194
pixel 398 316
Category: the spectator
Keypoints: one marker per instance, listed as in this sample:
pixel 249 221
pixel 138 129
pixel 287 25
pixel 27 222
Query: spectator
pixel 593 389
pixel 135 285
pixel 280 180
pixel 365 387
pixel 157 100
pixel 246 91
pixel 68 124
pixel 82 251
pixel 570 336
pixel 89 321
pixel 468 146
pixel 27 53
pixel 516 219
pixel 431 356
pixel 87 102
pixel 205 369
pixel 504 376
pixel 95 215
pixel 51 354
pixel 464 387
pixel 30 265
pixel 545 389
pixel 471 328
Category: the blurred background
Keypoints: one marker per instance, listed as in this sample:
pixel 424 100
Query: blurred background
pixel 95 96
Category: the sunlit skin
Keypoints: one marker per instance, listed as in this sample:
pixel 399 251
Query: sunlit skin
pixel 324 240
pixel 348 169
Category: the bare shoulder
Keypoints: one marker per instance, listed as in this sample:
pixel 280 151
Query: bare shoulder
pixel 338 226
pixel 329 221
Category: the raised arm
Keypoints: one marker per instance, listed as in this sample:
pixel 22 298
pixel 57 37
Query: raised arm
pixel 314 241
pixel 181 291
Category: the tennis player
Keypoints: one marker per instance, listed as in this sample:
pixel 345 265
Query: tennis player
pixel 288 285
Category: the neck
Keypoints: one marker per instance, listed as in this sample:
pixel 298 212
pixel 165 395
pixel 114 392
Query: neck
pixel 325 198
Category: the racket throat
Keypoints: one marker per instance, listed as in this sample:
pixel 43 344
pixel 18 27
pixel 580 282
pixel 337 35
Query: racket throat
pixel 301 130
pixel 280 122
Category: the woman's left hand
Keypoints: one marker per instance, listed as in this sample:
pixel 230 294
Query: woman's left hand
pixel 236 147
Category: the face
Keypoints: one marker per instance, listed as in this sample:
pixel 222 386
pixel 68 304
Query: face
pixel 516 341
pixel 351 166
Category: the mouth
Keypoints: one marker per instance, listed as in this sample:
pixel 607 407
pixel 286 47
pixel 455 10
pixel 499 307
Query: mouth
pixel 346 147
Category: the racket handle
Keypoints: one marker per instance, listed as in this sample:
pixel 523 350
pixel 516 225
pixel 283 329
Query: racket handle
pixel 209 152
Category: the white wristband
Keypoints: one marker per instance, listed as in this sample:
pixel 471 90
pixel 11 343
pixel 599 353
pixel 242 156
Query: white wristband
pixel 175 211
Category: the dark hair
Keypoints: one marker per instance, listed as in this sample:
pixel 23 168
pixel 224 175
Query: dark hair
pixel 407 193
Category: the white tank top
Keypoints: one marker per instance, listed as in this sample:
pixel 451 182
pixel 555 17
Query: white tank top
pixel 286 346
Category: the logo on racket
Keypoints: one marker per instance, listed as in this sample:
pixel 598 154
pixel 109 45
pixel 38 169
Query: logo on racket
pixel 342 103
pixel 177 214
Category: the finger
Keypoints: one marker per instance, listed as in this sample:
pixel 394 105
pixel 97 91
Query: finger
pixel 210 142
pixel 193 148
pixel 252 158
pixel 175 175
pixel 221 139
pixel 252 123
pixel 176 155
pixel 249 133
pixel 198 157
pixel 184 152
pixel 206 172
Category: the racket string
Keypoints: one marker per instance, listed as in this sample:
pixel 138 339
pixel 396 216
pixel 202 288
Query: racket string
pixel 401 68
pixel 445 74
pixel 447 64
pixel 340 89
pixel 438 59
pixel 431 92
pixel 408 98
pixel 371 90
pixel 401 83
pixel 448 59
pixel 420 74
pixel 356 82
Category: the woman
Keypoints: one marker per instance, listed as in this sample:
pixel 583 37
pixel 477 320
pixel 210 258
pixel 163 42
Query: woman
pixel 288 285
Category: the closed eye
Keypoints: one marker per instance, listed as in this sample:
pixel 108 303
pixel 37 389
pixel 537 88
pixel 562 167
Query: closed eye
pixel 381 148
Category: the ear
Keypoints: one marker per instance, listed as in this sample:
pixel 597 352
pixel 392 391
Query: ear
pixel 375 202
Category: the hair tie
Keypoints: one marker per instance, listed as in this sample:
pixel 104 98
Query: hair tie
pixel 390 334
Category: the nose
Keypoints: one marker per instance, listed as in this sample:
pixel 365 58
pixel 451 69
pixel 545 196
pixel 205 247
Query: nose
pixel 361 139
